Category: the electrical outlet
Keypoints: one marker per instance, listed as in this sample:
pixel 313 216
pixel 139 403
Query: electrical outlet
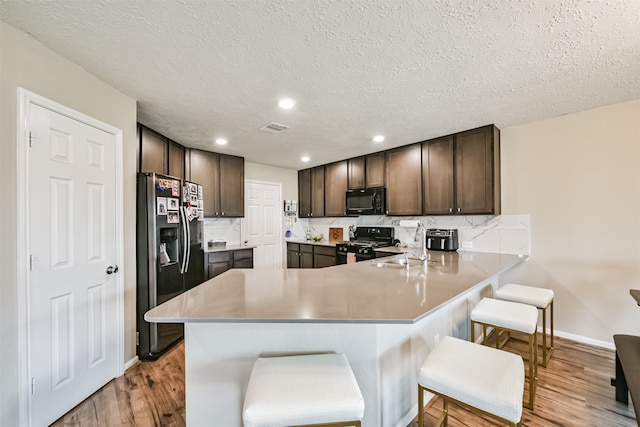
pixel 436 339
pixel 467 244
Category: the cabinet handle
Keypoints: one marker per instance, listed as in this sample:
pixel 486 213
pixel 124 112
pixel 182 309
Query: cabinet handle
pixel 222 213
pixel 311 213
pixel 458 210
pixel 450 210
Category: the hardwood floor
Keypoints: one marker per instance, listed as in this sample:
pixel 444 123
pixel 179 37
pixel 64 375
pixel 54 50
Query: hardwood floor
pixel 574 390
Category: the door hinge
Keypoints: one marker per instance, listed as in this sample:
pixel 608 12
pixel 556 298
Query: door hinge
pixel 30 139
pixel 33 385
pixel 137 338
pixel 32 262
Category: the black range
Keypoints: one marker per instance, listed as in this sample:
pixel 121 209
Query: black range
pixel 364 243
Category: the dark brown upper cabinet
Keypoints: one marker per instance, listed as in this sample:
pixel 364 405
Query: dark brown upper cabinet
pixel 304 193
pixel 437 174
pixel 231 186
pixel 222 180
pixel 176 160
pixel 317 191
pixel 404 180
pixel 375 170
pixel 153 151
pixel 311 192
pixel 356 173
pixel 477 171
pixel 335 188
pixel 461 173
pixel 204 170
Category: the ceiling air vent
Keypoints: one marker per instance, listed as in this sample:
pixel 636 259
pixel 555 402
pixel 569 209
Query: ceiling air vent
pixel 274 127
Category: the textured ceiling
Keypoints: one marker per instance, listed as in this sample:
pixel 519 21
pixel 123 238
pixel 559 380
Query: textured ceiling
pixel 411 70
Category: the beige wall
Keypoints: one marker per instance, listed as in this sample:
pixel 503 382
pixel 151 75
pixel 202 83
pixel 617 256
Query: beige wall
pixel 287 177
pixel 27 63
pixel 578 176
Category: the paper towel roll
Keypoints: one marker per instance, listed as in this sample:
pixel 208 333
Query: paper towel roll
pixel 409 223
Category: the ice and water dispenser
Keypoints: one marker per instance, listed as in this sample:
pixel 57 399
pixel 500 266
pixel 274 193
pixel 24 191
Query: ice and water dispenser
pixel 168 249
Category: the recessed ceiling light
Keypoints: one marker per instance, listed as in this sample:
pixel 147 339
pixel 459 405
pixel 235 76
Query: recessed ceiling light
pixel 221 141
pixel 287 103
pixel 305 158
pixel 378 138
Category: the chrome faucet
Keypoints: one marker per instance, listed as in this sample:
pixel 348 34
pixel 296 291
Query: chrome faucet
pixel 423 242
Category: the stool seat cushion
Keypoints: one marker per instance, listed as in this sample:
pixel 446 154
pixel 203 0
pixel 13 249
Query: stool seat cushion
pixel 298 390
pixel 506 314
pixel 539 297
pixel 485 378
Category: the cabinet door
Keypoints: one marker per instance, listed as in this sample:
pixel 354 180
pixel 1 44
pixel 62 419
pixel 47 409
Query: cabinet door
pixel 375 170
pixel 477 171
pixel 304 193
pixel 293 259
pixel 437 175
pixel 321 261
pixel 404 180
pixel 205 171
pixel 317 191
pixel 217 268
pixel 335 188
pixel 356 173
pixel 231 186
pixel 306 260
pixel 153 151
pixel 176 160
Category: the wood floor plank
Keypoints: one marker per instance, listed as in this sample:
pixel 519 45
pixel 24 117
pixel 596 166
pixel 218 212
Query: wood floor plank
pixel 574 390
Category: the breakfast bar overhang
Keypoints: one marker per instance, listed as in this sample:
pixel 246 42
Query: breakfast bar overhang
pixel 383 316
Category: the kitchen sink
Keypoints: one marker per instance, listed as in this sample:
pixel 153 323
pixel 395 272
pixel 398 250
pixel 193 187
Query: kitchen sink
pixel 397 263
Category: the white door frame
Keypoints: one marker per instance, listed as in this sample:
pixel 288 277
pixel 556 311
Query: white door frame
pixel 25 100
pixel 243 224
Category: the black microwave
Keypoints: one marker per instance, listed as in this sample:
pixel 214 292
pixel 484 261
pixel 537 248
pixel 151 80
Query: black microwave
pixel 369 201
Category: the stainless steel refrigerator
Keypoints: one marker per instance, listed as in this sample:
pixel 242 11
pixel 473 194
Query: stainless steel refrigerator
pixel 169 253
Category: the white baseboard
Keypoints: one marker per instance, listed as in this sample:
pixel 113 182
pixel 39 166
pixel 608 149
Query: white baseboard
pixel 585 340
pixel 131 362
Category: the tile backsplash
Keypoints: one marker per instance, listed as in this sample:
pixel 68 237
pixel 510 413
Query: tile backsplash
pixel 498 234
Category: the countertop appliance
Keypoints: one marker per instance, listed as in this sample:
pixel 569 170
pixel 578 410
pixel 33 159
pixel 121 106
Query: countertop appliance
pixel 368 201
pixel 169 253
pixel 442 239
pixel 363 246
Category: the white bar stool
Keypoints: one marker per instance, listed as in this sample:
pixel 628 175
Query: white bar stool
pixel 316 389
pixel 481 379
pixel 511 317
pixel 542 299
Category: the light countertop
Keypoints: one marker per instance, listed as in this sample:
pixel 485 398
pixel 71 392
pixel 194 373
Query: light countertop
pixel 322 242
pixel 360 292
pixel 226 248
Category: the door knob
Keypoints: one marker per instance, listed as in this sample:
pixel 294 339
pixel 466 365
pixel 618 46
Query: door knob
pixel 112 269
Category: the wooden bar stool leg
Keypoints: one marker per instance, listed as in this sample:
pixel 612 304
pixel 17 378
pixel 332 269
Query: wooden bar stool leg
pixel 552 347
pixel 445 412
pixel 544 337
pixel 420 407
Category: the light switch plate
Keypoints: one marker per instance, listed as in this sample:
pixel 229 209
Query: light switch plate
pixel 467 244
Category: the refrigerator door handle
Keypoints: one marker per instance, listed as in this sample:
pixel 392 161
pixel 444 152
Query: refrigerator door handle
pixel 188 239
pixel 185 241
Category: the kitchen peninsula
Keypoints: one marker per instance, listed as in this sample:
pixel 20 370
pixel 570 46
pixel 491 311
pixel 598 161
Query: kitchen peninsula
pixel 384 317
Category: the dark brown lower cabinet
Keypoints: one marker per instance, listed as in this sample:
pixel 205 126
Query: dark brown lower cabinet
pixel 324 256
pixel 302 255
pixel 219 262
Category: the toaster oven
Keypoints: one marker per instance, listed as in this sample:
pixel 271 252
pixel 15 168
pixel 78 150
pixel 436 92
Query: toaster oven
pixel 442 239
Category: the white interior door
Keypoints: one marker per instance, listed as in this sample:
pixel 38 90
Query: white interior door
pixel 72 326
pixel 262 225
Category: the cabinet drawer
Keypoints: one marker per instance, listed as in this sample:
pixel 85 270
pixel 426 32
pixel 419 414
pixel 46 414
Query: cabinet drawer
pixel 325 250
pixel 306 249
pixel 219 257
pixel 243 263
pixel 293 247
pixel 242 255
